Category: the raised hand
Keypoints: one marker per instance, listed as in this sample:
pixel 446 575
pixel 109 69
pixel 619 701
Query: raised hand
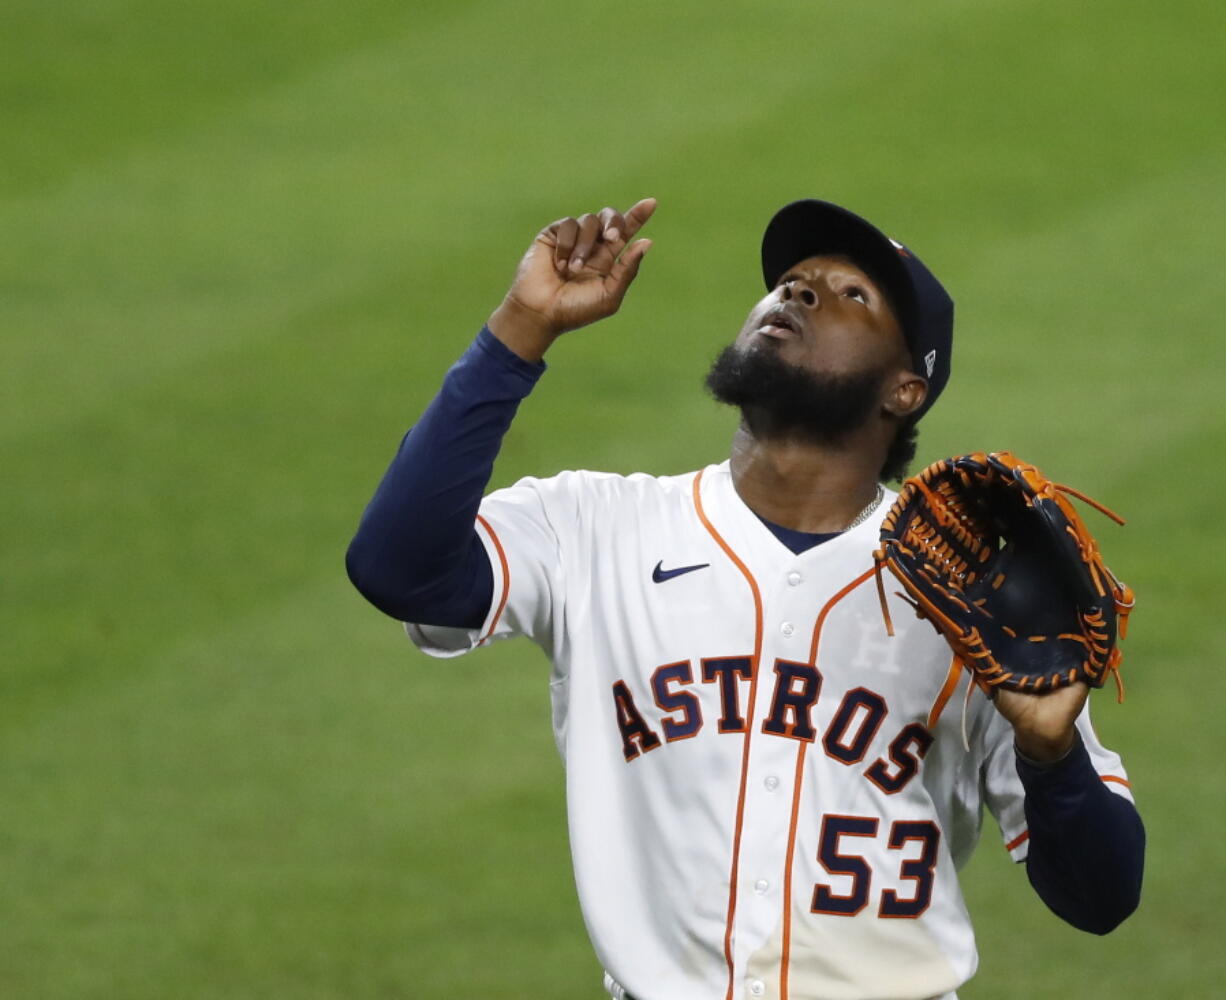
pixel 576 272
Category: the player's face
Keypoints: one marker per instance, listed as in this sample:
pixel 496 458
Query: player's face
pixel 827 315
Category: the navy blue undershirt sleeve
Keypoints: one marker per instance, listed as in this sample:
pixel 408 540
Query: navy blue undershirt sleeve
pixel 1086 854
pixel 416 555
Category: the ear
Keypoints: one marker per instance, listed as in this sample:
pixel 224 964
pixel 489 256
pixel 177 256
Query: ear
pixel 904 394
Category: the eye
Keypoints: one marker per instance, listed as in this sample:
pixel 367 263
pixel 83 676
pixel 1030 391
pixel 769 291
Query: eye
pixel 857 293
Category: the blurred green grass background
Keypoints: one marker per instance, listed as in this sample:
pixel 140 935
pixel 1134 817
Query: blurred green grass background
pixel 242 243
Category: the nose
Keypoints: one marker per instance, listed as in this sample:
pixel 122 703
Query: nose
pixel 796 289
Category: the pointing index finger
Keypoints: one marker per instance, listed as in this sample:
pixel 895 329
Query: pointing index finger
pixel 636 216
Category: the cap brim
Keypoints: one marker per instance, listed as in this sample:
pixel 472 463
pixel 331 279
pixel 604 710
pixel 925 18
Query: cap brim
pixel 811 228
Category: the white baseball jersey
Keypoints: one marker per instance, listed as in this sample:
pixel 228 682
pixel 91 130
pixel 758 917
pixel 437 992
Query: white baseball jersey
pixel 768 796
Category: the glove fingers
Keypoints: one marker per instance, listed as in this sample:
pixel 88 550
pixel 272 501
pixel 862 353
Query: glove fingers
pixel 998 559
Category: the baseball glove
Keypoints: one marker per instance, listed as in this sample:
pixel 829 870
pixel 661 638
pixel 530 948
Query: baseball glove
pixel 996 557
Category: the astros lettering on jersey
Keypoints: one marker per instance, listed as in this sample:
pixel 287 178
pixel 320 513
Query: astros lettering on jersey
pixel 768 796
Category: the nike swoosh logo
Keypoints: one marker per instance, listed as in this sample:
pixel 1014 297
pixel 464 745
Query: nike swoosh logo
pixel 659 574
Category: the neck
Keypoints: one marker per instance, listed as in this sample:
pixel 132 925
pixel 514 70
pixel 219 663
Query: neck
pixel 806 485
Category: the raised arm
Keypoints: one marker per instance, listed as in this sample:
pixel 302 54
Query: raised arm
pixel 416 555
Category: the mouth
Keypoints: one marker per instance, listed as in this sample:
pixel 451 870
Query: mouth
pixel 778 325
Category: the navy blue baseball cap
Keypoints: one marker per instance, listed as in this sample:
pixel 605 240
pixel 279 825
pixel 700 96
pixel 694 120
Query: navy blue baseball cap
pixel 810 228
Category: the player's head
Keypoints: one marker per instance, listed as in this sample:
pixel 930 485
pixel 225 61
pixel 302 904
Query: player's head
pixel 833 344
pixel 923 308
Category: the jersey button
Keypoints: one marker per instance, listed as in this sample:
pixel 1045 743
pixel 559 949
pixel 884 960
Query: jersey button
pixel 771 783
pixel 794 579
pixel 787 628
pixel 761 886
pixel 757 988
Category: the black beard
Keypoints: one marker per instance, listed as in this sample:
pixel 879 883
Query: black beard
pixel 779 400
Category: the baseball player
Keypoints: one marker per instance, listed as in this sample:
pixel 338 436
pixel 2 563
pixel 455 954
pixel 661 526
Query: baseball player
pixel 768 796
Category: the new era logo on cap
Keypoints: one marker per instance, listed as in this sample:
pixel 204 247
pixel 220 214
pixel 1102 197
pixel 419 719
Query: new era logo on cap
pixel 930 362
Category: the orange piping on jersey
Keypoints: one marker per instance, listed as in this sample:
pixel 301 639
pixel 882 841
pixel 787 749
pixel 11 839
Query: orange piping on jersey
pixel 1018 841
pixel 749 721
pixel 506 577
pixel 1119 781
pixel 821 618
pixel 785 958
pixel 951 684
pixel 786 954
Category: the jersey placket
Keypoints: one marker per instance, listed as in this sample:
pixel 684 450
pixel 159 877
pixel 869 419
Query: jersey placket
pixel 781 732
